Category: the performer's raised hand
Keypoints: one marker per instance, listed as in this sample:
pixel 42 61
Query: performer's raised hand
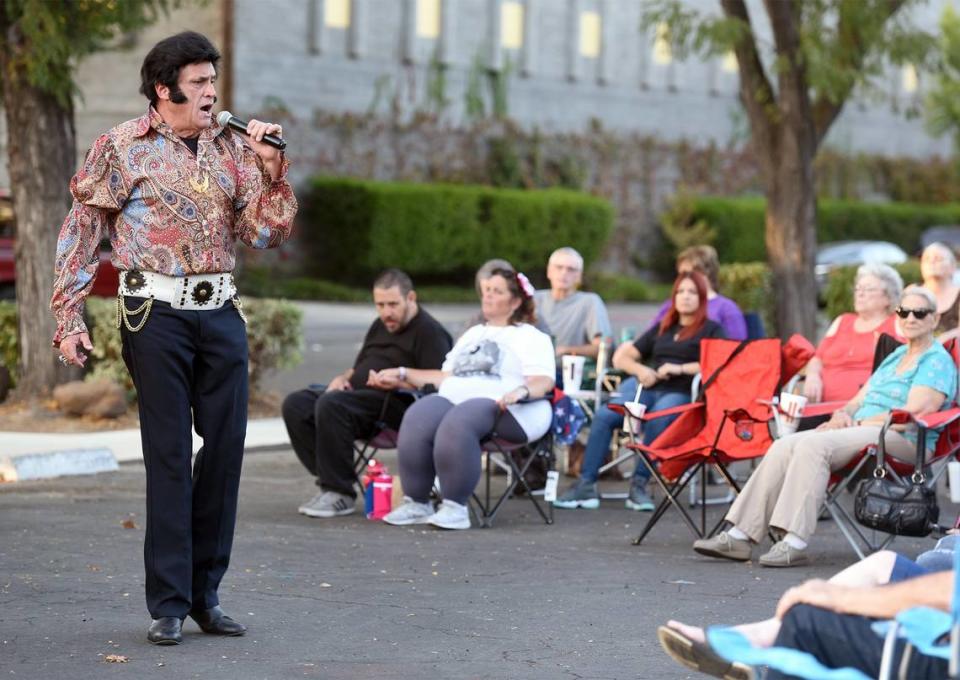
pixel 271 156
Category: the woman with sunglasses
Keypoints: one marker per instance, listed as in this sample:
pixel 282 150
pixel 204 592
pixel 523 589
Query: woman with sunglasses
pixel 787 489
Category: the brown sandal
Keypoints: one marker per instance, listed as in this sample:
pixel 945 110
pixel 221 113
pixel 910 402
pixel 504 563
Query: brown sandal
pixel 700 657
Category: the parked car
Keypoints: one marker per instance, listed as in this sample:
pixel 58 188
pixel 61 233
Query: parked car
pixel 105 285
pixel 853 253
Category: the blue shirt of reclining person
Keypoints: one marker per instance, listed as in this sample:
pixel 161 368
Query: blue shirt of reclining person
pixel 887 390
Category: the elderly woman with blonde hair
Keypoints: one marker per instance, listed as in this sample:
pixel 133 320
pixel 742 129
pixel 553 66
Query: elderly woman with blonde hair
pixel 844 357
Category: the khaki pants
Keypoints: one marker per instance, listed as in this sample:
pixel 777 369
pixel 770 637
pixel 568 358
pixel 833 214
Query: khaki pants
pixel 789 486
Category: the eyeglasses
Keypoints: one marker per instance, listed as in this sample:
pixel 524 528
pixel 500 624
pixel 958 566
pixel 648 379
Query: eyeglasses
pixel 918 314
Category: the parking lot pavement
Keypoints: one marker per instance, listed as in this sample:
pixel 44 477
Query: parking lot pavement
pixel 352 598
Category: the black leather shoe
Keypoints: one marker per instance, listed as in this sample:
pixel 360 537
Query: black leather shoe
pixel 215 622
pixel 165 631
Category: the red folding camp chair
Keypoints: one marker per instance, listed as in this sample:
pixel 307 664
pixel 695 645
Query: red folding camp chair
pixel 934 464
pixel 729 423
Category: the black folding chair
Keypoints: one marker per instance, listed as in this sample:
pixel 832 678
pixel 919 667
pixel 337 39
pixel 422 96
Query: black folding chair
pixel 519 459
pixel 384 436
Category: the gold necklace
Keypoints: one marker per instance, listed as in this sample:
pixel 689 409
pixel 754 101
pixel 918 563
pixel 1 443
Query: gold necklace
pixel 200 183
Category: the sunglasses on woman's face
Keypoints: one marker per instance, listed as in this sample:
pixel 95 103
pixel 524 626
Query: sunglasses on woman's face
pixel 918 314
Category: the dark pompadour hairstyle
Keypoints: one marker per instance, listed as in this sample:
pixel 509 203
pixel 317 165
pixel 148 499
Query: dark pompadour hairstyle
pixel 163 62
pixel 394 277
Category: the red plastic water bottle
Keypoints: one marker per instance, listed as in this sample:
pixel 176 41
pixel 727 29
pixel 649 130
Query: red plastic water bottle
pixel 378 491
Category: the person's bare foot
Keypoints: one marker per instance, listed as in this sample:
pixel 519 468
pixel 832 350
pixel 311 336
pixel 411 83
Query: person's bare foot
pixel 760 634
pixel 694 633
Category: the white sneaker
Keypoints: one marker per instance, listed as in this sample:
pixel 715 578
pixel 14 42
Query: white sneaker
pixel 329 504
pixel 451 515
pixel 410 512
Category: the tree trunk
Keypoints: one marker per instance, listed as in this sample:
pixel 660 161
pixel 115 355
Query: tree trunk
pixel 791 229
pixel 42 158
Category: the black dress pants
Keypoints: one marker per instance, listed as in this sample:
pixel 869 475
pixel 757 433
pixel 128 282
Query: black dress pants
pixel 842 641
pixel 323 426
pixel 190 370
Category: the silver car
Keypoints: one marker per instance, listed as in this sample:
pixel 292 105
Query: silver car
pixel 853 253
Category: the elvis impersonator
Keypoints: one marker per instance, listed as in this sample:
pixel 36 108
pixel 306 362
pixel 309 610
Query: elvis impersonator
pixel 174 191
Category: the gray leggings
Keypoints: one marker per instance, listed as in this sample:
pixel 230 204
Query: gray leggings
pixel 438 439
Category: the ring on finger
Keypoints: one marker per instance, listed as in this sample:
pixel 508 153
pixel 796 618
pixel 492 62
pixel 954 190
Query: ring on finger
pixel 63 360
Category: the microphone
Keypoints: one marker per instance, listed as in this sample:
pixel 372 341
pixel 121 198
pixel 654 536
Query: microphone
pixel 227 119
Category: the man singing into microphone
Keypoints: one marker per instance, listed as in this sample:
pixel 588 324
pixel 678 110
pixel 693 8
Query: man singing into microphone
pixel 174 192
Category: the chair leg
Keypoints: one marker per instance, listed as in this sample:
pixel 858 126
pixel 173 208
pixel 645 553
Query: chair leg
pixel 671 497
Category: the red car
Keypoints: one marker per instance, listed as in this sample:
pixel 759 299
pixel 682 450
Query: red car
pixel 105 285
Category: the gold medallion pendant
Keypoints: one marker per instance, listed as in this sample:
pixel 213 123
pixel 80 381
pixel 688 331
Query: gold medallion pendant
pixel 200 184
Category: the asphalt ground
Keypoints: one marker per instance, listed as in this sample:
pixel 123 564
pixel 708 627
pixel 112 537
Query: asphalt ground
pixel 354 598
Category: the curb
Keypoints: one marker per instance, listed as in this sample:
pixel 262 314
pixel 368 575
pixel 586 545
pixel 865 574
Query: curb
pixel 33 455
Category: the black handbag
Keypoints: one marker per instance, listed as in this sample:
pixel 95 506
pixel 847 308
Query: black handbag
pixel 903 507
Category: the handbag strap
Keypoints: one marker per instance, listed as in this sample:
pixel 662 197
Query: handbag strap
pixel 881 471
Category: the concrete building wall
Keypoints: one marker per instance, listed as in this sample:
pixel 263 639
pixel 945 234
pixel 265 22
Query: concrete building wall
pixel 287 52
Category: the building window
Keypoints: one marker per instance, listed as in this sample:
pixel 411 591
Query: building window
pixel 336 13
pixel 511 25
pixel 428 19
pixel 729 63
pixel 591 31
pixel 662 53
pixel 908 79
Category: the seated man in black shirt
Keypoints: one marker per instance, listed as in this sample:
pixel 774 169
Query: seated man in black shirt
pixel 324 423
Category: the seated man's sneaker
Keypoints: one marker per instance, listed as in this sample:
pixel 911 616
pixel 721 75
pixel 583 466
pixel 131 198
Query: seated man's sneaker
pixel 165 631
pixel 639 499
pixel 451 515
pixel 582 494
pixel 724 546
pixel 214 621
pixel 410 512
pixel 782 554
pixel 329 504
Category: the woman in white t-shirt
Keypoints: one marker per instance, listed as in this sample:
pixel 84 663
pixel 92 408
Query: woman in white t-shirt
pixel 493 367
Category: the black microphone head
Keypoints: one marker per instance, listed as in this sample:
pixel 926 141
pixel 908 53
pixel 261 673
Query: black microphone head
pixel 224 117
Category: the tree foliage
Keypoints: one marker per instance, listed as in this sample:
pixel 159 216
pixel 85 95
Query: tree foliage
pixel 841 45
pixel 44 38
pixel 943 100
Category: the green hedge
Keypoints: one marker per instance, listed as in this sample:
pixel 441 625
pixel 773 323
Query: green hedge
pixel 352 229
pixel 739 223
pixel 274 336
pixel 839 293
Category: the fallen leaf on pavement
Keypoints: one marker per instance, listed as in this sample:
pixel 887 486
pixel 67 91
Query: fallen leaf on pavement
pixel 115 658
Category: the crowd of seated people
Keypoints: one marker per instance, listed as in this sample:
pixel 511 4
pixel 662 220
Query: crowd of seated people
pixel 784 494
pixel 505 361
pixel 499 364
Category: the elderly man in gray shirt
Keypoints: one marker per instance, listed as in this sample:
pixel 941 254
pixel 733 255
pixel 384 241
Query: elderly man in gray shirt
pixel 578 321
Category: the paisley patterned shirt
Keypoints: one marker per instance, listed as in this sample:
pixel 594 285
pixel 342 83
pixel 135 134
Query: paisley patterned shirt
pixel 164 209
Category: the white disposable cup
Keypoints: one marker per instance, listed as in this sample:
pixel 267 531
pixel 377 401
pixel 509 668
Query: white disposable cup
pixel 953 474
pixel 791 410
pixel 572 366
pixel 635 409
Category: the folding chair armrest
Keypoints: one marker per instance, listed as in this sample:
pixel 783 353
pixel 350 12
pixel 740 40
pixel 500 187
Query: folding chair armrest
pixel 937 419
pixel 822 408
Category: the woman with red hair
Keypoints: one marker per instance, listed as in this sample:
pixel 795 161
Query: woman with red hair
pixel 663 360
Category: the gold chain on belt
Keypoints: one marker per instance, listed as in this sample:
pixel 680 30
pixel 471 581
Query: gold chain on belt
pixel 123 314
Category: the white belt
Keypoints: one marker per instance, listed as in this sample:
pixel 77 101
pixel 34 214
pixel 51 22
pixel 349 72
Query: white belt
pixel 197 292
